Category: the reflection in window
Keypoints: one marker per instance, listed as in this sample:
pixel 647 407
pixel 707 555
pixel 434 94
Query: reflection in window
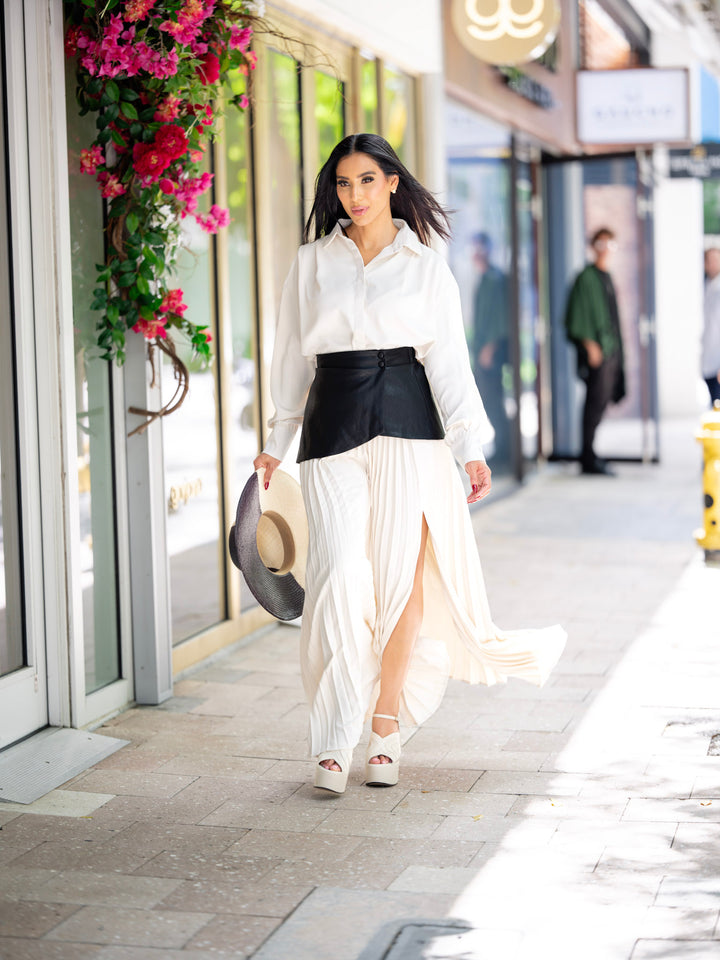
pixel 190 445
pixel 329 113
pixel 399 115
pixel 369 96
pixel 93 398
pixel 528 312
pixel 480 260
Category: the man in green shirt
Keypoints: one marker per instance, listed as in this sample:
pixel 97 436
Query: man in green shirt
pixel 592 323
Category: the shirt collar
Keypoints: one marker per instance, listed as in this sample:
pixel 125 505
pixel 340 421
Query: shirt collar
pixel 405 237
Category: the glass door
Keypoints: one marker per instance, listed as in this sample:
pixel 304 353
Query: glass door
pixel 23 683
pixel 479 179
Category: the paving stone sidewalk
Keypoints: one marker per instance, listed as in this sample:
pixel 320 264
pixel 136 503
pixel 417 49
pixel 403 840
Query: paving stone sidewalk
pixel 581 820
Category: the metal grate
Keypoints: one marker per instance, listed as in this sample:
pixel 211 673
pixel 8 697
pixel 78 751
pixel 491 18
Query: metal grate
pixel 48 759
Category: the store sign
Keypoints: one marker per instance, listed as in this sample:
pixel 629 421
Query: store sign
pixel 506 32
pixel 526 87
pixel 702 162
pixel 633 106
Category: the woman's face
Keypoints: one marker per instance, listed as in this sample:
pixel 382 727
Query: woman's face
pixel 363 189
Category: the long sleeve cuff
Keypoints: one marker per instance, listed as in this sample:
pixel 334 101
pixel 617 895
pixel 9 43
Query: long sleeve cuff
pixel 280 438
pixel 464 443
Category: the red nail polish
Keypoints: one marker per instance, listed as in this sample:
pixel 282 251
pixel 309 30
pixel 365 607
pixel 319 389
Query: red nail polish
pixel 267 484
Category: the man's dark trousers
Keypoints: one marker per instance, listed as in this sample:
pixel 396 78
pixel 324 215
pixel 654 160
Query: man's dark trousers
pixel 600 389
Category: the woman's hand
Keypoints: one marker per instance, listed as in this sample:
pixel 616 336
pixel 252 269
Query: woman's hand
pixel 267 463
pixel 479 473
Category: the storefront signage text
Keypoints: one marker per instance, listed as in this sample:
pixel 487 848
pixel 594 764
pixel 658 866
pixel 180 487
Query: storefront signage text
pixel 702 162
pixel 647 105
pixel 526 87
pixel 505 31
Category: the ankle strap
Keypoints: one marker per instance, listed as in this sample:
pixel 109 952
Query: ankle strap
pixel 385 716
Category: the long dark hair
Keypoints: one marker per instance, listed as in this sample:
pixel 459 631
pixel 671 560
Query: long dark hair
pixel 412 202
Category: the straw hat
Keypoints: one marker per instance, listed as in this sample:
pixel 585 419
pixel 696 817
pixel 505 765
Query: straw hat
pixel 269 541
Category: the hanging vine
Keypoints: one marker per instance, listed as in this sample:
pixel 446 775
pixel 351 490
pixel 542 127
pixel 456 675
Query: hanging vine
pixel 152 71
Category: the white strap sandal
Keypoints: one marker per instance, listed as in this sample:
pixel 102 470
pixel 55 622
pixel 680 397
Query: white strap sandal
pixel 383 774
pixel 333 780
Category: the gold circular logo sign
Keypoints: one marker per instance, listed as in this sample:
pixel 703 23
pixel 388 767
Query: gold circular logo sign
pixel 506 32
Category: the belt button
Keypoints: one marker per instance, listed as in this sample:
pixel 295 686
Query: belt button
pixel 381 354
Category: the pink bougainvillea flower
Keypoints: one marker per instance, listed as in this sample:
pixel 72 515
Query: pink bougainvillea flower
pixel 91 159
pixel 209 69
pixel 243 102
pixel 137 9
pixel 172 302
pixel 150 160
pixel 169 109
pixel 196 156
pixel 240 37
pixel 71 41
pixel 167 185
pixel 216 218
pixel 111 186
pixel 251 61
pixel 171 139
pixel 151 329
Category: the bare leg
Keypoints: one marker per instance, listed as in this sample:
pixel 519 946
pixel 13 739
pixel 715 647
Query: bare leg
pixel 396 656
pixel 398 651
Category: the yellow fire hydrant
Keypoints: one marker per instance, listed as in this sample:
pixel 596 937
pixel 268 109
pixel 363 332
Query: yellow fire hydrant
pixel 709 436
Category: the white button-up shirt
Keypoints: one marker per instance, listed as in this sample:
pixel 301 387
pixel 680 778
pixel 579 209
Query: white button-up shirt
pixel 405 297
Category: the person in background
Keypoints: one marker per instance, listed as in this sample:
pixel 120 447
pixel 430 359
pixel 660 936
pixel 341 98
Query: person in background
pixel 710 358
pixel 592 323
pixel 490 340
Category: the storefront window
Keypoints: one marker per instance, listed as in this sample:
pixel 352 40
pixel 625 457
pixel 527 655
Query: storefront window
pixel 243 433
pixel 480 257
pixel 399 115
pixel 369 96
pixel 329 113
pixel 12 645
pixel 192 462
pixel 94 430
pixel 285 163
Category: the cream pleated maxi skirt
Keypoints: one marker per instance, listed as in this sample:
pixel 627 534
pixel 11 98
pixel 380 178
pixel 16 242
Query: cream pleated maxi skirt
pixel 365 510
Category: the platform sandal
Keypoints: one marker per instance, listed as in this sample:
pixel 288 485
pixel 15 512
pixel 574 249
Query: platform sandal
pixel 383 774
pixel 333 780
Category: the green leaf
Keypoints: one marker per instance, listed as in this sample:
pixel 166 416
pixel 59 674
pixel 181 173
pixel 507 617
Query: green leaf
pixel 113 313
pixel 155 238
pixel 136 130
pixel 127 93
pixel 102 121
pixel 129 111
pixel 147 271
pixel 126 280
pixel 132 222
pixel 103 136
pixel 112 112
pixel 127 266
pixel 142 284
pixel 112 90
pixel 117 138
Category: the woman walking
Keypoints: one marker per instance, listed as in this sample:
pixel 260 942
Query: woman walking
pixel 370 339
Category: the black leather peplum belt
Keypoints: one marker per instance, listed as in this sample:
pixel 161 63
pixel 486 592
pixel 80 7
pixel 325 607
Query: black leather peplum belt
pixel 360 394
